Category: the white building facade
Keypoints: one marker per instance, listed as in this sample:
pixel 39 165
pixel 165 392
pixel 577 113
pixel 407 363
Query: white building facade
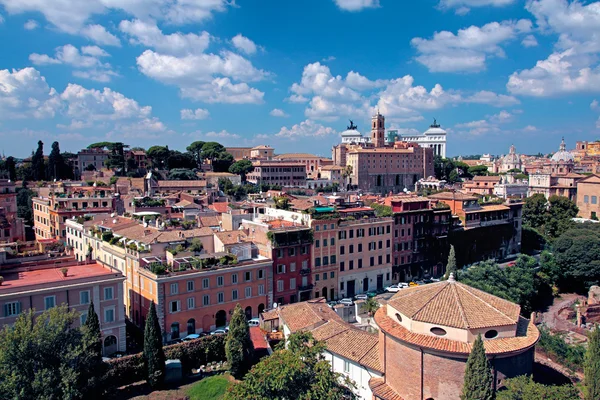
pixel 434 137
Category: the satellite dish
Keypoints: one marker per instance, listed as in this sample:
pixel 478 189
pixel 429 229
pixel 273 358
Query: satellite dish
pixel 114 221
pixel 274 305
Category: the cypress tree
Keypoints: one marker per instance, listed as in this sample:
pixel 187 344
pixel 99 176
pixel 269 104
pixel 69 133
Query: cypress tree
pixel 478 375
pixel 92 368
pixel 238 347
pixel 451 266
pixel 591 367
pixel 154 356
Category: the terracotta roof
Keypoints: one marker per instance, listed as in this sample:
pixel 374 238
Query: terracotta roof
pixel 181 184
pixel 209 221
pixel 220 207
pixel 494 207
pixel 260 147
pixel 527 336
pixel 297 156
pixel 257 338
pixel 148 235
pixel 271 314
pixel 455 304
pixel 301 204
pixel 356 345
pixel 231 237
pixel 382 390
pixel 332 168
pixel 590 179
pixel 451 196
pixel 280 223
pixel 487 178
pixel 307 315
pixel 187 204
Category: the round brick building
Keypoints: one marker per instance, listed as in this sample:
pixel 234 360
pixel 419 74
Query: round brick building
pixel 426 335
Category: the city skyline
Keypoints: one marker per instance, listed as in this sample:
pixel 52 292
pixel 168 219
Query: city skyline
pixel 493 72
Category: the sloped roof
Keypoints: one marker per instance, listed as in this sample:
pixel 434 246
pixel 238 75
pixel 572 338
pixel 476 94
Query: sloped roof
pixel 451 196
pixel 209 221
pixel 231 237
pixel 220 207
pixel 590 179
pixel 454 304
pixel 307 315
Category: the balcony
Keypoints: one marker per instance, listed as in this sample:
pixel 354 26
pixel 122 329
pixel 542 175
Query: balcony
pixel 305 271
pixel 303 288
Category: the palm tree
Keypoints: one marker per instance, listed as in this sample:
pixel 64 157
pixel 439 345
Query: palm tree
pixel 346 173
pixel 371 305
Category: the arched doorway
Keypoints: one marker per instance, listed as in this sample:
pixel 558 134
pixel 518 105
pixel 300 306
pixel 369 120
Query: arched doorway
pixel 331 294
pixel 175 330
pixel 324 291
pixel 191 326
pixel 248 312
pixel 110 345
pixel 220 318
pixel 261 308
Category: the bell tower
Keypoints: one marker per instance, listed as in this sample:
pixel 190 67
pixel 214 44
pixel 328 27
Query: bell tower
pixel 378 130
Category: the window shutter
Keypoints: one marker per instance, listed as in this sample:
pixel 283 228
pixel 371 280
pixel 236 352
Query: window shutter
pixel 18 308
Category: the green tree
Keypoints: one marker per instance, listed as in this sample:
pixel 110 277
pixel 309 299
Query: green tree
pixel 282 203
pixel 524 388
pixel 40 356
pixel 560 213
pixel 38 165
pixel 116 159
pixel 154 356
pixel 451 265
pixel 238 347
pixel 371 306
pixel 534 210
pixel 591 367
pixel 92 367
pixel 90 167
pixel 181 174
pixel 178 159
pixel 382 210
pixel 347 173
pixel 241 168
pixel 159 156
pixel 478 375
pixel 478 170
pixel 577 253
pixel 298 372
pixel 196 149
pixel 56 163
pixel 10 166
pixel 25 203
pixel 212 150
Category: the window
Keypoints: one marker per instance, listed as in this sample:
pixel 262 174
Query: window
pixel 492 333
pixel 261 290
pixel 234 294
pixel 190 286
pixel 387 243
pixel 351 249
pixel 174 288
pixel 387 258
pixel 346 367
pixel 317 261
pixel 360 232
pixel 248 292
pixel 594 199
pixel 280 286
pixel 293 284
pixel 438 331
pixel 342 250
pixel 332 241
pixel 317 278
pixel 351 265
pixel 220 281
pixel 317 243
pixel 325 242
pixel 332 274
pixel 342 266
pixel 325 227
pixel 304 264
pixel 380 244
pixel 174 306
pixel 248 276
pixel 324 276
pixel 332 259
pixel 292 267
pixel 292 251
pixel 372 261
pixel 325 260
pixel 380 260
pixel 281 269
pixel 387 229
pixel 341 235
pixel 586 199
pixel 351 233
pixel 84 297
pixel 206 300
pixel 13 308
pixel 191 303
pixel 109 314
pixel 108 293
pixel 261 274
pixel 318 228
pixel 360 263
pixel 220 297
pixel 205 283
pixel 82 318
pixel 49 302
pixel 234 279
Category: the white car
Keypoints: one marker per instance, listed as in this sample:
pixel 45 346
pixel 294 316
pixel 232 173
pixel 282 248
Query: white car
pixel 394 288
pixel 219 332
pixel 435 280
pixel 254 322
pixel 192 336
pixel 361 297
pixel 346 302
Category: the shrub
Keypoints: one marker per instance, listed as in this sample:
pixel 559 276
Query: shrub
pixel 571 356
pixel 157 268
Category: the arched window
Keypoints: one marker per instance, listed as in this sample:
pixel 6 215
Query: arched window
pixel 438 331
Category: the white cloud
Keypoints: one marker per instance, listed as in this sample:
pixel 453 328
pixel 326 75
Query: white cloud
pixel 598 123
pixel 307 128
pixel 492 99
pixel 149 35
pixel 462 6
pixel 476 127
pixel 1 19
pixel 297 98
pixel 222 90
pixel 326 109
pixel 100 35
pixel 594 104
pixel 276 112
pixel 31 25
pixel 25 94
pixel 359 82
pixel 198 113
pixel 222 135
pixel 87 61
pixel 356 5
pixel 317 79
pixel 502 117
pixel 462 11
pixel 71 15
pixel 469 48
pixel 244 44
pixel 529 41
pixel 530 128
pixel 328 59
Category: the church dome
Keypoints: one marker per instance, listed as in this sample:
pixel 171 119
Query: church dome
pixel 562 155
pixel 512 158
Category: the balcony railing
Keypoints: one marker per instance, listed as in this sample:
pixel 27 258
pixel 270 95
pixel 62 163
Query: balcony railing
pixel 305 271
pixel 302 288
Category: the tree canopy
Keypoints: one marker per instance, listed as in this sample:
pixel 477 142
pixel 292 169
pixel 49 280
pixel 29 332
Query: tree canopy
pixel 238 347
pixel 182 174
pixel 298 372
pixel 550 217
pixel 577 253
pixel 524 388
pixel 241 168
pixel 154 356
pixel 591 366
pixel 478 375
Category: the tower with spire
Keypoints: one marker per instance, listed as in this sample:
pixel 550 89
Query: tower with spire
pixel 378 130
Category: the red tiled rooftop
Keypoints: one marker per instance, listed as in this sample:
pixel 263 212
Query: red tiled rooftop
pixel 279 223
pixel 22 279
pixel 222 207
pixel 356 209
pixel 258 339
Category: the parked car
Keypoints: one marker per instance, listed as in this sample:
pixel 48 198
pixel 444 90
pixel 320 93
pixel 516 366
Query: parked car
pixel 361 297
pixel 192 336
pixel 254 322
pixel 403 284
pixel 373 294
pixel 220 331
pixel 346 302
pixel 420 282
pixel 411 284
pixel 332 303
pixel 393 288
pixel 435 279
pixel 174 341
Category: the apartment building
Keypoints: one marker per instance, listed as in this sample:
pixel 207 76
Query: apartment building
pixel 282 173
pixel 365 254
pixel 12 228
pixel 588 194
pixel 41 287
pixel 312 162
pixel 95 157
pixel 51 213
pixel 325 257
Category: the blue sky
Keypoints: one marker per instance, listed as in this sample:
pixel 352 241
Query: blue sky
pixel 291 73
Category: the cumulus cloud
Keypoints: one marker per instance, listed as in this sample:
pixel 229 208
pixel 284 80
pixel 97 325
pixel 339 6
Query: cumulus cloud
pixel 100 35
pixel 25 94
pixel 307 128
pixel 196 114
pixel 594 104
pixel 502 117
pixel 31 25
pixel 222 90
pixel 222 135
pixel 356 5
pixel 276 112
pixel 149 35
pixel 476 127
pixel 529 41
pixel 71 15
pixel 462 7
pixel 87 61
pixel 492 99
pixel 469 48
pixel 244 44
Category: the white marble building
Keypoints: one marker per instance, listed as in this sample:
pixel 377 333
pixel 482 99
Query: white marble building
pixel 434 137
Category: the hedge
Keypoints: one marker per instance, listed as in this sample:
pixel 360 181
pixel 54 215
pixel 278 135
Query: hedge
pixel 192 354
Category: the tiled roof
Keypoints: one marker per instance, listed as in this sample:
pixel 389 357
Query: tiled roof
pixel 382 390
pixel 181 184
pixel 456 305
pixel 220 207
pixel 231 237
pixel 486 179
pixel 187 204
pixel 451 196
pixel 301 204
pixel 527 336
pixel 296 156
pixel 332 168
pixel 149 235
pixel 356 345
pixel 209 221
pixel 307 315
